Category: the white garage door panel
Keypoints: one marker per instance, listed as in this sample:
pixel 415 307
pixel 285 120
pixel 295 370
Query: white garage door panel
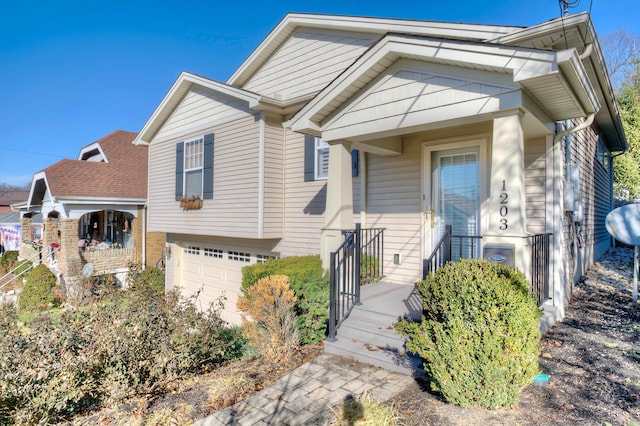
pixel 215 277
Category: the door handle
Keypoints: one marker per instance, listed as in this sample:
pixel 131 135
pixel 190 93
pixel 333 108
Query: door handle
pixel 431 214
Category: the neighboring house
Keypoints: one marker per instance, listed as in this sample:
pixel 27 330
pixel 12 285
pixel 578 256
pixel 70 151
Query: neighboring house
pixel 10 228
pixel 502 132
pixel 96 201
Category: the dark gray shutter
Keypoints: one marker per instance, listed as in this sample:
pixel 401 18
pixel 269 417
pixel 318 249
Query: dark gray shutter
pixel 309 158
pixel 179 169
pixel 207 186
pixel 355 160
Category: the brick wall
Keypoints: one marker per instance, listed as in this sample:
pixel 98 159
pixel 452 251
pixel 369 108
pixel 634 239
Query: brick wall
pixel 155 247
pixel 26 250
pixel 110 260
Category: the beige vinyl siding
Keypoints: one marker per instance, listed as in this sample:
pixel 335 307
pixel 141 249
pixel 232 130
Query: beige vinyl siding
pixel 595 185
pixel 233 211
pixel 596 194
pixel 307 62
pixel 535 185
pixel 394 202
pixel 273 179
pixel 304 202
pixel 412 92
pixel 202 107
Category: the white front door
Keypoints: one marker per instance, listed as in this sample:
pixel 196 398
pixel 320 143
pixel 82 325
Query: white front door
pixel 455 191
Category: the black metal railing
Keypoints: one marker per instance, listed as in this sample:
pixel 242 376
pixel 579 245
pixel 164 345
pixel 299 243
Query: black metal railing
pixel 540 245
pixel 440 256
pixel 371 266
pixel 451 248
pixel 357 261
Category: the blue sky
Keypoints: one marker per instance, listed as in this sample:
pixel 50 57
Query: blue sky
pixel 74 71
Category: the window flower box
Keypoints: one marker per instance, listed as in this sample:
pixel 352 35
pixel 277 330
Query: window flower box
pixel 193 202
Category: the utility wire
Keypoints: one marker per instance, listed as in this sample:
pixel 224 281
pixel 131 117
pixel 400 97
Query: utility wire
pixel 31 152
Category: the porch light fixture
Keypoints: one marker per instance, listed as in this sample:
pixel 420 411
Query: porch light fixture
pixel 397 258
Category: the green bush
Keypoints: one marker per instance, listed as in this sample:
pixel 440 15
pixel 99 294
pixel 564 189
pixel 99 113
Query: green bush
pixel 38 292
pixel 479 335
pixel 22 266
pixel 125 344
pixel 369 267
pixel 151 276
pixel 7 260
pixel 310 285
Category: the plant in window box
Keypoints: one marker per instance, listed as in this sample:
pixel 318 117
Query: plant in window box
pixel 191 203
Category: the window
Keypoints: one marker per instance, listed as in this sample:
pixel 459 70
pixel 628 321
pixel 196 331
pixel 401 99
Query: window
pixel 194 250
pixel 193 164
pixel 194 168
pixel 602 155
pixel 261 258
pixel 214 253
pixel 322 159
pixel 239 256
pixel 316 158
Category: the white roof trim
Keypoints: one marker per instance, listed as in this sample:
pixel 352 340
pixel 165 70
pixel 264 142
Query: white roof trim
pixel 380 26
pixel 41 175
pixel 522 63
pixel 92 147
pixel 101 200
pixel 174 96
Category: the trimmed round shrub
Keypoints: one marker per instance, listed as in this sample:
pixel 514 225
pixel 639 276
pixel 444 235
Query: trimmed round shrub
pixel 38 292
pixel 310 285
pixel 479 336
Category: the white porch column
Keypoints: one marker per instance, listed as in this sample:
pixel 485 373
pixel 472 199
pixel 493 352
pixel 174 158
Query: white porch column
pixel 507 207
pixel 338 215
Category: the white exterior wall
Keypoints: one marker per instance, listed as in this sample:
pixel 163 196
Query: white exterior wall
pixel 307 62
pixel 273 218
pixel 233 211
pixel 304 202
pixel 394 202
pixel 412 94
pixel 535 184
pixel 201 108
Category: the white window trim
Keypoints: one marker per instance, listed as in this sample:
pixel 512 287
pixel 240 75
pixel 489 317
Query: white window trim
pixel 186 170
pixel 318 147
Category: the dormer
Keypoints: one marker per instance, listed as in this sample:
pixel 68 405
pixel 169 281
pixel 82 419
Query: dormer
pixel 93 153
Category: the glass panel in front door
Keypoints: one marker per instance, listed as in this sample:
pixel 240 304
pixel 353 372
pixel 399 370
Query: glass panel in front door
pixel 456 193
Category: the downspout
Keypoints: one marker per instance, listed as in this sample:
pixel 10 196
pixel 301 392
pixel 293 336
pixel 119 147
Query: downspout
pixel 144 237
pixel 567 132
pixel 586 123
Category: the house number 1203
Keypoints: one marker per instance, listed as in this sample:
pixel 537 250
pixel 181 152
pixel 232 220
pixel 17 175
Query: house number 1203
pixel 504 208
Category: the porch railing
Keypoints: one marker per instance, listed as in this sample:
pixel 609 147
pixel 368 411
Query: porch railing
pixel 357 261
pixel 440 256
pixel 540 244
pixel 468 246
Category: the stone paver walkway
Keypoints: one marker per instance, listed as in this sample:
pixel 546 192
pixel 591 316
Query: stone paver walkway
pixel 304 396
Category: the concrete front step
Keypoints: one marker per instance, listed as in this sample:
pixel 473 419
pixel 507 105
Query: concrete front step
pixel 368 336
pixel 392 358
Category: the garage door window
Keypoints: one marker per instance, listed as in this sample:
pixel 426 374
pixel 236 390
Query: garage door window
pixel 194 250
pixel 261 258
pixel 214 253
pixel 239 256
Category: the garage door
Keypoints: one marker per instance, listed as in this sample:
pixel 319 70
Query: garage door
pixel 213 272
